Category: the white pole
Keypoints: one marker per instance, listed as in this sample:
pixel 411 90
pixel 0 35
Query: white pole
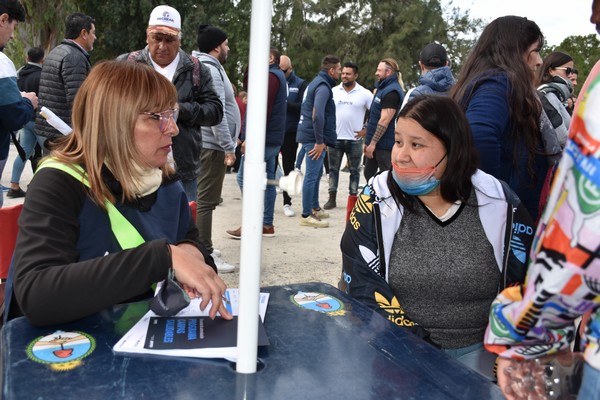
pixel 255 178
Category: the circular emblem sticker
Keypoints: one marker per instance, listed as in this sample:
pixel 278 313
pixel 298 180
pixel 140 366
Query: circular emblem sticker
pixel 319 302
pixel 61 350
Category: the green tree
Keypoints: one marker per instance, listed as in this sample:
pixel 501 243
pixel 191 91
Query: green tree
pixel 43 27
pixel 462 33
pixel 585 51
pixel 120 26
pixel 365 31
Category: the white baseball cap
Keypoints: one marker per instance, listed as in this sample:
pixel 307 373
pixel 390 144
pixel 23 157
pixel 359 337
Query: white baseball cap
pixel 165 19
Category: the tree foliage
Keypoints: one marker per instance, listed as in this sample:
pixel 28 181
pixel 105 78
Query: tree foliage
pixel 43 27
pixel 585 51
pixel 363 31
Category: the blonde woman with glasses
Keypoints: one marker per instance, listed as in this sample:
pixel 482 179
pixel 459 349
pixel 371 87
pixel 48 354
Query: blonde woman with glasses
pixel 71 258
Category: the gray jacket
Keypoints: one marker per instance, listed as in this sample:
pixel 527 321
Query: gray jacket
pixel 223 136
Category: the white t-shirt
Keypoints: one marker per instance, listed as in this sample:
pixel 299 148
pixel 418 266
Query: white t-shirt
pixel 168 71
pixel 350 108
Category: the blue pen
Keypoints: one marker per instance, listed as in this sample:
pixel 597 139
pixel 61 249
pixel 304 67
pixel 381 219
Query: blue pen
pixel 227 302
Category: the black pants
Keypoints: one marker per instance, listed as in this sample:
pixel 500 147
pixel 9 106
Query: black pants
pixel 289 149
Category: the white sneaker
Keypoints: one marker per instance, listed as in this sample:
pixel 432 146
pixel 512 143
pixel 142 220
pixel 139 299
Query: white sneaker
pixel 314 221
pixel 287 210
pixel 222 266
pixel 320 213
pixel 216 253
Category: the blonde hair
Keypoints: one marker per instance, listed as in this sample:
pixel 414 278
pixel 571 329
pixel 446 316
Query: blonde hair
pixel 392 64
pixel 104 115
pixel 395 67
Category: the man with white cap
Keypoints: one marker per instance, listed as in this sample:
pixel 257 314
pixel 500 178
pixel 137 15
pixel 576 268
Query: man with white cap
pixel 199 105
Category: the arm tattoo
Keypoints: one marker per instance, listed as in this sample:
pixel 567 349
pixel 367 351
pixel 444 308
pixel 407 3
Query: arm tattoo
pixel 378 133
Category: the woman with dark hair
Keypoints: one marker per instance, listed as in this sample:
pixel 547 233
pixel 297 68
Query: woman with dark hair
pixel 496 88
pixel 556 88
pixel 436 238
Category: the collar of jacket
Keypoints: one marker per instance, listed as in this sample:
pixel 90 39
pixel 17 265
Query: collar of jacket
pixel 327 78
pixel 387 81
pixel 73 43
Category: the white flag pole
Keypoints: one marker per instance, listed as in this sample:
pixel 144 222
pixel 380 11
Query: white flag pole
pixel 255 179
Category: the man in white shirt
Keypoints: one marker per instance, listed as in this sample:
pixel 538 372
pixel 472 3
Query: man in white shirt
pixel 352 104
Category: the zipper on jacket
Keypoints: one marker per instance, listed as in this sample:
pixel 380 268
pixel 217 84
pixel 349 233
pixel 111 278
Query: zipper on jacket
pixel 507 239
pixel 379 239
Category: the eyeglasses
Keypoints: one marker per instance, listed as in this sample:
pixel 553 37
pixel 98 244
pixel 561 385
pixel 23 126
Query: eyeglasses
pixel 163 118
pixel 568 70
pixel 157 38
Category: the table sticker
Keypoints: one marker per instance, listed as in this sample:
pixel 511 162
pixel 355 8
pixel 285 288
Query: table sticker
pixel 62 351
pixel 319 302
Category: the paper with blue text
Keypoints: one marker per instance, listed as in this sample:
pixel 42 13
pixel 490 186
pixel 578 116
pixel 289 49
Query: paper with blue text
pixel 190 333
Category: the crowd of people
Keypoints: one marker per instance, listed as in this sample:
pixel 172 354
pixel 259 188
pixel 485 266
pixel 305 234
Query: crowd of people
pixel 481 192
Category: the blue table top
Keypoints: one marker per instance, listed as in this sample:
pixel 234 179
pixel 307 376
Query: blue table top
pixel 324 345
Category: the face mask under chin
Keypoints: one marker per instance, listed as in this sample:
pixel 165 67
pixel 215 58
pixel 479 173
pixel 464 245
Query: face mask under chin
pixel 416 181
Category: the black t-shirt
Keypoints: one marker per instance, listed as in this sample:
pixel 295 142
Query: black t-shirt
pixel 391 100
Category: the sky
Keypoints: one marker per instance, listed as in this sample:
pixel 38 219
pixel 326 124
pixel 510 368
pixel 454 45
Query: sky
pixel 557 19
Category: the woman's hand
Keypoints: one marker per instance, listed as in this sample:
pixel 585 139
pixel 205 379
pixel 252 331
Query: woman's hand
pixel 198 279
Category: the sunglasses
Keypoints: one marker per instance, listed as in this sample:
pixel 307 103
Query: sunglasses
pixel 568 70
pixel 164 117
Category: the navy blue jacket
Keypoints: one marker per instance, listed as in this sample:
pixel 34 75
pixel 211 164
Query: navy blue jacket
pixel 306 131
pixel 276 122
pixel 296 88
pixel 389 84
pixel 487 110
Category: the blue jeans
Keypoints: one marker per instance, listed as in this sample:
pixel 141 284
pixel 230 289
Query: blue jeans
pixel 191 189
pixel 353 150
pixel 300 157
pixel 27 140
pixel 312 179
pixel 476 358
pixel 590 385
pixel 271 153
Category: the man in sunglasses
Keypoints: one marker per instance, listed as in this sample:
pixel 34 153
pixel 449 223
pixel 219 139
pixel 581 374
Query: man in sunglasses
pixel 199 104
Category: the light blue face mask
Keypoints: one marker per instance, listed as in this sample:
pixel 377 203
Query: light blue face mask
pixel 416 181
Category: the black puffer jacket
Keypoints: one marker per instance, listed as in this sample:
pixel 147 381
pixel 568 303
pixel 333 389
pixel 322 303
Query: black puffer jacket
pixel 198 106
pixel 65 68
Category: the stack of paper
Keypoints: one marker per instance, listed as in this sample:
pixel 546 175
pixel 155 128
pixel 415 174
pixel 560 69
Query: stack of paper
pixel 191 333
